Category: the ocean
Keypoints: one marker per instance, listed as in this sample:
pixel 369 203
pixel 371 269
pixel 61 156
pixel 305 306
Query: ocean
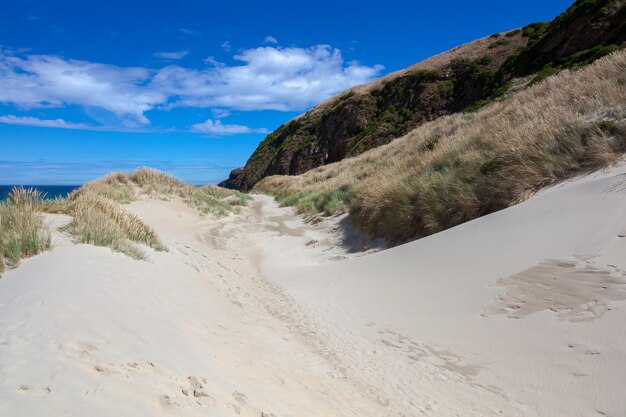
pixel 50 191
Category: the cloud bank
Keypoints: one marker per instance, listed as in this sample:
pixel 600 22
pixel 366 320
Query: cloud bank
pixel 263 78
pixel 62 124
pixel 270 78
pixel 35 81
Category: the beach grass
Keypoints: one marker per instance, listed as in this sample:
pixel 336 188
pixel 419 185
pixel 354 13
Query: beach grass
pixel 23 232
pixel 101 221
pixel 463 166
pixel 98 215
pixel 126 187
pixel 99 218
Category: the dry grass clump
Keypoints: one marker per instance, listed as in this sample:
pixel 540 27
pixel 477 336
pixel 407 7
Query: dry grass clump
pixel 100 221
pixel 116 186
pixel 463 166
pixel 22 230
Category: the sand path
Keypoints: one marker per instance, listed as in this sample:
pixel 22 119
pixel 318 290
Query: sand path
pixel 195 331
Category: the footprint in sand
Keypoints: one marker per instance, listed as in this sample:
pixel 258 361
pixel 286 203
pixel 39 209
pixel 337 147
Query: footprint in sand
pixel 196 390
pixel 104 370
pixel 34 389
pixel 80 349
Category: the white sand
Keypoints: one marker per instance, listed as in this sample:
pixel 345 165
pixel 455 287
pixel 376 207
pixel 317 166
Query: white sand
pixel 520 313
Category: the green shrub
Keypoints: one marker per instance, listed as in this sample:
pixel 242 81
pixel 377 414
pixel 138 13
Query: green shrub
pixel 545 72
pixel 499 42
pixel 535 31
pixel 587 56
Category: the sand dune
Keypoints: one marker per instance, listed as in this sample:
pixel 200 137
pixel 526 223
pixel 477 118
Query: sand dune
pixel 519 313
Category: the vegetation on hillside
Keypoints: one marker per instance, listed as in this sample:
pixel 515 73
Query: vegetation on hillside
pixel 365 118
pixel 586 31
pixel 375 114
pixel 463 166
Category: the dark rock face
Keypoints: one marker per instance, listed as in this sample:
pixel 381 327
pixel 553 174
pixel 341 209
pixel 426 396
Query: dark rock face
pixel 364 118
pixel 234 179
pixel 355 122
pixel 586 31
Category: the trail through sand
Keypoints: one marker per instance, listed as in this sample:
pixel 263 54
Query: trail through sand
pixel 519 313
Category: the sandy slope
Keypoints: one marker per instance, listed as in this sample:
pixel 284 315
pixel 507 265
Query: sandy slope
pixel 448 320
pixel 519 313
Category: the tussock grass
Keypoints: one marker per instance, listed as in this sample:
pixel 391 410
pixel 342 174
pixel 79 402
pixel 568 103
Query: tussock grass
pixel 101 221
pixel 463 166
pixel 116 186
pixel 22 230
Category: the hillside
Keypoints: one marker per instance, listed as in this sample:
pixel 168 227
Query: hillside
pixel 463 166
pixel 464 78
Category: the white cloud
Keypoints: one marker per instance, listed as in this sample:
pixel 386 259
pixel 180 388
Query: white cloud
pixel 266 78
pixel 220 113
pixel 219 129
pixel 47 81
pixel 271 78
pixel 33 121
pixel 226 46
pixel 171 55
pixel 210 60
pixel 270 39
pixel 59 124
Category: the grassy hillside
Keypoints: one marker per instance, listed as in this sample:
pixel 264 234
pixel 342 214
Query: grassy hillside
pixel 463 166
pixel 374 114
pixel 463 79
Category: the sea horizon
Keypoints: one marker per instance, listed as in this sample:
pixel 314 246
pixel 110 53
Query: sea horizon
pixel 50 191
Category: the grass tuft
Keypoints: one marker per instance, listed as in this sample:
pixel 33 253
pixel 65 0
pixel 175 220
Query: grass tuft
pixel 22 230
pixel 101 221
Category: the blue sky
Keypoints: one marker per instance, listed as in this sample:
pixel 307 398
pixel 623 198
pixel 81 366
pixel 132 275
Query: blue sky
pixel 191 87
